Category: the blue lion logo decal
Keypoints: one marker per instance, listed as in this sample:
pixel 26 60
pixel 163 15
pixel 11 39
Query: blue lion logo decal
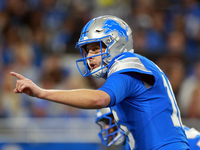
pixel 111 25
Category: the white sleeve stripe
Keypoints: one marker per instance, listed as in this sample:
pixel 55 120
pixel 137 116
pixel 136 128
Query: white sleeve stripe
pixel 127 63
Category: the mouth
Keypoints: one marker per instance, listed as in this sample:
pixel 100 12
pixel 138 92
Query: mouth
pixel 92 66
pixel 111 137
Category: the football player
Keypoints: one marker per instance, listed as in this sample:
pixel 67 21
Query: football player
pixel 137 91
pixel 110 134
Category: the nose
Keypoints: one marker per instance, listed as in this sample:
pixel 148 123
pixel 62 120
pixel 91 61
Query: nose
pixel 109 130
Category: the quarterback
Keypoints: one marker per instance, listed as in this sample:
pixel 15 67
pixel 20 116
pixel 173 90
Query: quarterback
pixel 137 91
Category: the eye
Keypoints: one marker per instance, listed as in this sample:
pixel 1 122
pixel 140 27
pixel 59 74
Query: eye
pixel 96 48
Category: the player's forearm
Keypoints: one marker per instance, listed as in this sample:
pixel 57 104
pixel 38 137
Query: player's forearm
pixel 81 98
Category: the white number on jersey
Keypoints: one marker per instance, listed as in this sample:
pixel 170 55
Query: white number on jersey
pixel 131 139
pixel 175 118
pixel 192 134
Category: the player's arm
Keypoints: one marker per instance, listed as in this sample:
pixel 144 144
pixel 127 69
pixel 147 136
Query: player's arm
pixel 81 98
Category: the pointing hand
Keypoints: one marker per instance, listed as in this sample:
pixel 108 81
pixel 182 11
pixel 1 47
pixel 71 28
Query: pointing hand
pixel 25 85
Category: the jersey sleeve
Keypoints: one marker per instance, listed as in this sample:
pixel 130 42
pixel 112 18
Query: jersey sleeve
pixel 119 86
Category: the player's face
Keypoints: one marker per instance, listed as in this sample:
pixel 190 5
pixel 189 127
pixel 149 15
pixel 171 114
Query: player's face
pixel 94 49
pixel 111 130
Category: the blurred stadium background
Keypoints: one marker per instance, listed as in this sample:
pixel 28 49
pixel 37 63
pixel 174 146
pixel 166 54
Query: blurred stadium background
pixel 37 39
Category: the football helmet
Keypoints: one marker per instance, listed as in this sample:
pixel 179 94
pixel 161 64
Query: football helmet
pixel 110 133
pixel 110 31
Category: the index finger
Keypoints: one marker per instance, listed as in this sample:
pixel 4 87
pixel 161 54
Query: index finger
pixel 19 76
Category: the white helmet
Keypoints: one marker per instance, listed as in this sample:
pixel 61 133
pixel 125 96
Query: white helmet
pixel 113 32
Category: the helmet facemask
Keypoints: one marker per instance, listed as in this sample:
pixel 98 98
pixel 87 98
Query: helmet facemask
pixel 99 71
pixel 110 134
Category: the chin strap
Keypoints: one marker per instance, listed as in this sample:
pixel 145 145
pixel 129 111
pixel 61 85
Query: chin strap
pixel 100 73
pixel 121 140
pixel 88 64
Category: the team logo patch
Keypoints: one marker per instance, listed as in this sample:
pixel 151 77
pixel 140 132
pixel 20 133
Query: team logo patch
pixel 111 25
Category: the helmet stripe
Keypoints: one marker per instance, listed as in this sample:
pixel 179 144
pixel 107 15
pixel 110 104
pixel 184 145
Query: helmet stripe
pixel 84 31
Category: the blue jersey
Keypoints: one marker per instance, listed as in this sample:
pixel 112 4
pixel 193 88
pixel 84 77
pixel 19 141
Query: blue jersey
pixel 143 104
pixel 193 137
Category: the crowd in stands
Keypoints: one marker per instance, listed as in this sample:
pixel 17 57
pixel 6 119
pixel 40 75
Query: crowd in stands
pixel 37 36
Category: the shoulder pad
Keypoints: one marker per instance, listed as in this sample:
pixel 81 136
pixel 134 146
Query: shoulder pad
pixel 128 64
